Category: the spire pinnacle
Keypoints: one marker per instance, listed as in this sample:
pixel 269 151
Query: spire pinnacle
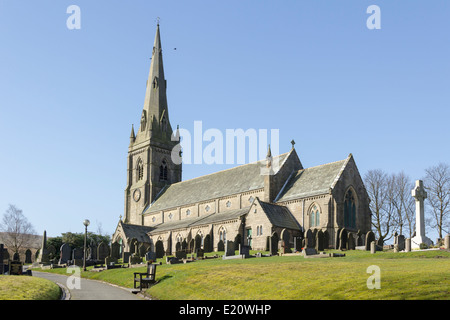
pixel 132 135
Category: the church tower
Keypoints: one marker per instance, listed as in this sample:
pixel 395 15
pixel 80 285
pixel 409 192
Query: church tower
pixel 150 165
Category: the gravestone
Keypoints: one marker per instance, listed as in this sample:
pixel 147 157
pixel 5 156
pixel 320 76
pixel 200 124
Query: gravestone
pixel 15 268
pixel 64 253
pixel 200 253
pixel 1 258
pixel 180 254
pixel 447 242
pixel 229 248
pixel 309 239
pixel 51 250
pixel 220 246
pixel 408 245
pixel 343 237
pixel 400 242
pixel 273 244
pixel 319 241
pixel 142 249
pixel 297 244
pixel 115 250
pixel 151 256
pixel 359 239
pixel 419 194
pixel 351 243
pixel 28 256
pixel 92 255
pixel 77 254
pixel 285 237
pixel 102 251
pixel 326 239
pixel 309 251
pixel 126 256
pixel 373 247
pixel 244 250
pixel 43 257
pixel 370 236
pixel 16 256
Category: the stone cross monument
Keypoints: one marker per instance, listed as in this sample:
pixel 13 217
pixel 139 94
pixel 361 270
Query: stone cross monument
pixel 419 194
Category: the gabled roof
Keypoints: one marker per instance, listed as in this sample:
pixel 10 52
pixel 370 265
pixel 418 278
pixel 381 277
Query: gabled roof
pixel 131 231
pixel 312 181
pixel 279 216
pixel 212 186
pixel 198 221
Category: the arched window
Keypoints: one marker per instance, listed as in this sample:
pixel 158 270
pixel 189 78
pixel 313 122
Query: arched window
pixel 350 210
pixel 314 217
pixel 139 170
pixel 163 171
pixel 222 234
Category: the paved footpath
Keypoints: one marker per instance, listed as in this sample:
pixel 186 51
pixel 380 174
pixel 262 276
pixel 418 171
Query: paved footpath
pixel 90 289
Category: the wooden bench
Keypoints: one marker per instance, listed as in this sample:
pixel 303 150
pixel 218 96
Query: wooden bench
pixel 145 278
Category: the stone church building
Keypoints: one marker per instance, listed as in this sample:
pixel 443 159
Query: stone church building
pixel 238 204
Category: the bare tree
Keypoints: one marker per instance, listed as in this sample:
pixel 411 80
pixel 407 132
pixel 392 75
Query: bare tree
pixel 17 229
pixel 437 185
pixel 378 186
pixel 403 203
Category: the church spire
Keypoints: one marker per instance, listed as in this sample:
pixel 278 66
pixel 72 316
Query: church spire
pixel 155 104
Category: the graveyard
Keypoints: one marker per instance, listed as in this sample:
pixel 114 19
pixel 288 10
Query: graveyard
pixel 404 275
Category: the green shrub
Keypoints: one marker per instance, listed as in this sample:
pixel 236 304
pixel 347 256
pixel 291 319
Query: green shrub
pixel 423 246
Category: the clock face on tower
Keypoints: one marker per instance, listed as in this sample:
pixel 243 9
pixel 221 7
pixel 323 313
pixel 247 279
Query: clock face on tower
pixel 136 195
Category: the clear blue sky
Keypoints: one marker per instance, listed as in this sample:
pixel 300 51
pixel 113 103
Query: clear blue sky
pixel 311 69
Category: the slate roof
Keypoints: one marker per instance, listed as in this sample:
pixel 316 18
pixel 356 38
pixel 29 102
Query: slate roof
pixel 312 181
pixel 279 216
pixel 198 221
pixel 223 183
pixel 136 231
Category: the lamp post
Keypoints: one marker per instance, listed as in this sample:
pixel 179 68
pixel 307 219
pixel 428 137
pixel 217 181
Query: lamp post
pixel 86 223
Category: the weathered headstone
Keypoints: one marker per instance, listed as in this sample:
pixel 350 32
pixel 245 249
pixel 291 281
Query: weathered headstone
pixel 64 253
pixel 244 250
pixel 15 268
pixel 151 256
pixel 309 239
pixel 126 256
pixel 343 237
pixel 16 257
pixel 370 236
pixel 373 247
pixel 180 254
pixel 115 250
pixel 297 244
pixel 419 194
pixel 273 244
pixel 351 242
pixel 400 241
pixel 43 257
pixel 77 254
pixel 408 245
pixel 326 239
pixel 51 250
pixel 447 242
pixel 229 248
pixel 220 246
pixel 319 241
pixel 102 251
pixel 28 256
pixel 1 258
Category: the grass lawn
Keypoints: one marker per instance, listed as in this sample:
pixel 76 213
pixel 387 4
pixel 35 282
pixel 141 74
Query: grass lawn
pixel 27 288
pixel 414 275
